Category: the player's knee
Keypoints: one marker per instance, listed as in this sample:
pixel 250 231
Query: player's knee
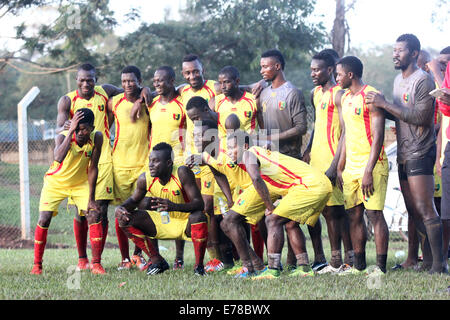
pixel 292 225
pixel 44 219
pixel 197 217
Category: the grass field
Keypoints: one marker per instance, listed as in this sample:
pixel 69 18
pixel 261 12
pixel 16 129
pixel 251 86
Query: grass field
pixel 60 282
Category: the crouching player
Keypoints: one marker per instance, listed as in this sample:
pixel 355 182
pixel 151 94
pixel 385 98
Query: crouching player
pixel 73 174
pixel 165 187
pixel 304 191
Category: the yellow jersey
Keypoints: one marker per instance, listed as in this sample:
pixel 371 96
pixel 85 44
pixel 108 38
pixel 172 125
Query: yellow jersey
pixel 245 109
pixel 207 92
pixel 73 170
pixel 358 134
pixel 131 142
pixel 281 172
pixel 327 129
pixel 168 123
pixel 97 104
pixel 172 190
pixel 236 173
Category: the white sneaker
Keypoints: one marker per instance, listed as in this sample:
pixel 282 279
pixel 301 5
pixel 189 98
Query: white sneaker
pixel 329 269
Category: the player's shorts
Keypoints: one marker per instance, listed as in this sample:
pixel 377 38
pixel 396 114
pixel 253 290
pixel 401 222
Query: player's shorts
pixel 299 204
pixel 175 229
pixel 336 198
pixel 207 181
pixel 125 183
pixel 105 182
pixel 353 193
pixel 437 185
pixel 53 195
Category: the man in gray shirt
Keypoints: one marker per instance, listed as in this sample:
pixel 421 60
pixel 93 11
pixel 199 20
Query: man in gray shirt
pixel 413 112
pixel 284 112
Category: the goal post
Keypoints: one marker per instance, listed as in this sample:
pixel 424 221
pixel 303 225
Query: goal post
pixel 22 123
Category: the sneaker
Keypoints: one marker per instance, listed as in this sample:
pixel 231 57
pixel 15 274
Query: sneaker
pixel 235 270
pixel 302 271
pixel 290 268
pixel 156 268
pixel 178 264
pixel 245 274
pixel 214 266
pixel 317 266
pixel 354 271
pixel 199 270
pixel 138 261
pixel 124 265
pixel 329 269
pixel 375 271
pixel 97 268
pixel 147 264
pixel 83 264
pixel 37 269
pixel 267 273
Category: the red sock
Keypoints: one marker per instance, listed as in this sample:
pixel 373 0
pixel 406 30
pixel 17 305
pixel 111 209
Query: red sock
pixel 96 237
pixel 258 241
pixel 80 229
pixel 105 226
pixel 40 239
pixel 199 236
pixel 123 242
pixel 143 242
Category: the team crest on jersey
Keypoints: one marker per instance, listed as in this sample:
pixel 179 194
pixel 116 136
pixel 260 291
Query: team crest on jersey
pixel 358 111
pixel 324 105
pixel 405 97
pixel 176 192
pixel 281 105
pixel 248 114
pixel 101 107
pixel 231 165
pixel 108 189
pixel 88 154
pixel 366 199
pixel 176 116
pixel 207 184
pixel 240 202
pixel 437 187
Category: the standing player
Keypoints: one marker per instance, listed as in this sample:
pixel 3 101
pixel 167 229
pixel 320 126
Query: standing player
pixel 284 111
pixel 366 169
pixel 89 95
pixel 73 174
pixel 413 109
pixel 167 188
pixel 129 152
pixel 324 149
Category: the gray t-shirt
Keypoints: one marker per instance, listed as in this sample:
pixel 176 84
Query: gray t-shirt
pixel 415 128
pixel 284 108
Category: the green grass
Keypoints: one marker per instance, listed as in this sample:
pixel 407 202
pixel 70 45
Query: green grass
pixel 18 284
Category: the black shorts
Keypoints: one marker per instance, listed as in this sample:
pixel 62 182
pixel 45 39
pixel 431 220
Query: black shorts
pixel 445 200
pixel 418 167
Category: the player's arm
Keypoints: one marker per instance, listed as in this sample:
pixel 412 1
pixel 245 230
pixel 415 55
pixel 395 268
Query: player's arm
pixel 109 112
pixel 180 88
pixel 435 69
pixel 62 143
pixel 419 115
pixel 342 153
pixel 212 104
pixel 259 114
pixel 62 119
pixel 223 184
pixel 439 150
pixel 331 172
pixel 377 125
pixel 93 170
pixel 252 166
pixel 307 153
pixel 187 180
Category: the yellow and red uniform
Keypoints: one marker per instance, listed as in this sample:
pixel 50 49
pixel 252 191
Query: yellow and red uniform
pixel 98 104
pixel 69 178
pixel 168 122
pixel 358 143
pixel 173 191
pixel 327 131
pixel 245 109
pixel 130 148
pixel 304 189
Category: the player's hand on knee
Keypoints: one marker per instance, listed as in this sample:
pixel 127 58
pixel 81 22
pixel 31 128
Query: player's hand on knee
pixel 93 207
pixel 122 214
